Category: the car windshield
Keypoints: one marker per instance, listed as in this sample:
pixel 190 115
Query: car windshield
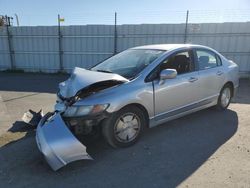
pixel 128 63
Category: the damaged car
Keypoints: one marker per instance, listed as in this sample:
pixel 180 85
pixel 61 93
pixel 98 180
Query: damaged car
pixel 138 88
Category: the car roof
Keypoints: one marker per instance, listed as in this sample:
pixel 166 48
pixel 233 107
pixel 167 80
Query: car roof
pixel 168 47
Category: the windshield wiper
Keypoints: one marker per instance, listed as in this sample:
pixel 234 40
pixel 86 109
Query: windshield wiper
pixel 104 71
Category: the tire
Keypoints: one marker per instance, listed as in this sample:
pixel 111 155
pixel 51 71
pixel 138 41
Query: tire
pixel 124 127
pixel 93 136
pixel 224 97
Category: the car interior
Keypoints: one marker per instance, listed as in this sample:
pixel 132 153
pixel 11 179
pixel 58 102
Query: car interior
pixel 181 62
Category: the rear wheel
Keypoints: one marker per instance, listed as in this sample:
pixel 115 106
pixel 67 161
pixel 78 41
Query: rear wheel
pixel 225 97
pixel 124 127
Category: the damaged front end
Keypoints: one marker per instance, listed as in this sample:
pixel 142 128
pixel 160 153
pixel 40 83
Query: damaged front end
pixel 56 132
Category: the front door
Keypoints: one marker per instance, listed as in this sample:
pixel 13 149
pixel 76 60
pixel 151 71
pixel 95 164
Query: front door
pixel 177 94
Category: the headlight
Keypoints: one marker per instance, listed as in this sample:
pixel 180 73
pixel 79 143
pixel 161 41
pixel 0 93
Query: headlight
pixel 74 111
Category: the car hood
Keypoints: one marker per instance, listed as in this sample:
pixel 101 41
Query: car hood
pixel 82 78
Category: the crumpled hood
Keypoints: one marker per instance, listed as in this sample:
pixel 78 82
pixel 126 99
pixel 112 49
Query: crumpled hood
pixel 81 78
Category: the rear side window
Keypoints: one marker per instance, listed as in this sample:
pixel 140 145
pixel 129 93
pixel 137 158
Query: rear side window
pixel 207 59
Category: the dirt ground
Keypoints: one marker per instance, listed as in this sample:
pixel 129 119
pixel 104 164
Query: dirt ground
pixel 205 149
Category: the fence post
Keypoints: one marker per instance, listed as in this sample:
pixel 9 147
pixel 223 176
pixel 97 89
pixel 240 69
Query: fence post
pixel 115 34
pixel 11 50
pixel 186 28
pixel 60 44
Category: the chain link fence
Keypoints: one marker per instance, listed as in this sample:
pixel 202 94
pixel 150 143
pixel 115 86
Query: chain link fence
pixel 86 39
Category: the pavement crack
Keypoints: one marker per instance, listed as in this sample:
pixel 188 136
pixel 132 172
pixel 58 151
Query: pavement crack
pixel 20 97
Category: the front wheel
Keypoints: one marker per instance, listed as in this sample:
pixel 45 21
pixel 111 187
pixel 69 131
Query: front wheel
pixel 225 97
pixel 124 127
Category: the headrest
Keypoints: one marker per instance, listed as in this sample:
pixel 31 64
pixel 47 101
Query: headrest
pixel 181 58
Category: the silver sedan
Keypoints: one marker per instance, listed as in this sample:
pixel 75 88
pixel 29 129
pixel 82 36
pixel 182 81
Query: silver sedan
pixel 138 88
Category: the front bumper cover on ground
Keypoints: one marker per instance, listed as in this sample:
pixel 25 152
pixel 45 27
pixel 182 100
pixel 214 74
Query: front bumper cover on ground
pixel 58 145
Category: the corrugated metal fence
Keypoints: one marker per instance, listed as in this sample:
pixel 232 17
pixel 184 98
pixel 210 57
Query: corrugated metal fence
pixel 37 48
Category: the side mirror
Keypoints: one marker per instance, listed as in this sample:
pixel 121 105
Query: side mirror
pixel 167 74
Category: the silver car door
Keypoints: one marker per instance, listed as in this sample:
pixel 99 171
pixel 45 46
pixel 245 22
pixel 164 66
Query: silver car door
pixel 177 93
pixel 211 73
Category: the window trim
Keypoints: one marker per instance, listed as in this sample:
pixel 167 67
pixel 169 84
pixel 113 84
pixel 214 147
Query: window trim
pixel 192 57
pixel 217 57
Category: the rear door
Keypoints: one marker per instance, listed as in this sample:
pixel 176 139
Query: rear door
pixel 211 73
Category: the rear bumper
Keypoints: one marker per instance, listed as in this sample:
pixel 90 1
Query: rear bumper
pixel 58 145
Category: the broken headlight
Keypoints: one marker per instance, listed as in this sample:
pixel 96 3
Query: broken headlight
pixel 75 111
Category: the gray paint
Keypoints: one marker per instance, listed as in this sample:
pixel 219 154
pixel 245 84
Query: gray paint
pixel 57 154
pixel 175 98
pixel 81 78
pixel 36 48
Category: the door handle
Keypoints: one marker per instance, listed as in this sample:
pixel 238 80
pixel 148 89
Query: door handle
pixel 219 73
pixel 192 79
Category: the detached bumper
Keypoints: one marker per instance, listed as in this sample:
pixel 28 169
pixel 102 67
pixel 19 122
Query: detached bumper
pixel 58 145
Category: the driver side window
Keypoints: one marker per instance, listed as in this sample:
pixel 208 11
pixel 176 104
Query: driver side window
pixel 181 62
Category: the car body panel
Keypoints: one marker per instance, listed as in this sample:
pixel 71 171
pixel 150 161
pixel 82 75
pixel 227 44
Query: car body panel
pixel 58 145
pixel 232 73
pixel 118 97
pixel 81 78
pixel 169 95
pixel 174 98
pixel 132 91
pixel 182 111
pixel 211 82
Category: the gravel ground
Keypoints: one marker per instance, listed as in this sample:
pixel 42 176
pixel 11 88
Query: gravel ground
pixel 205 149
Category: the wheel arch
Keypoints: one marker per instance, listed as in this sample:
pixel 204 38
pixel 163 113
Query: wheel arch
pixel 230 83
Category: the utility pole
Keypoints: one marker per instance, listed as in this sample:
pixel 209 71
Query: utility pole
pixel 60 44
pixel 11 51
pixel 9 20
pixel 115 34
pixel 186 28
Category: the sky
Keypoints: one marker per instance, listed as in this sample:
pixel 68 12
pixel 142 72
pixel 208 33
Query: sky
pixel 76 12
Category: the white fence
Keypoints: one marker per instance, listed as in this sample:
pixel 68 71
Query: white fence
pixel 44 48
